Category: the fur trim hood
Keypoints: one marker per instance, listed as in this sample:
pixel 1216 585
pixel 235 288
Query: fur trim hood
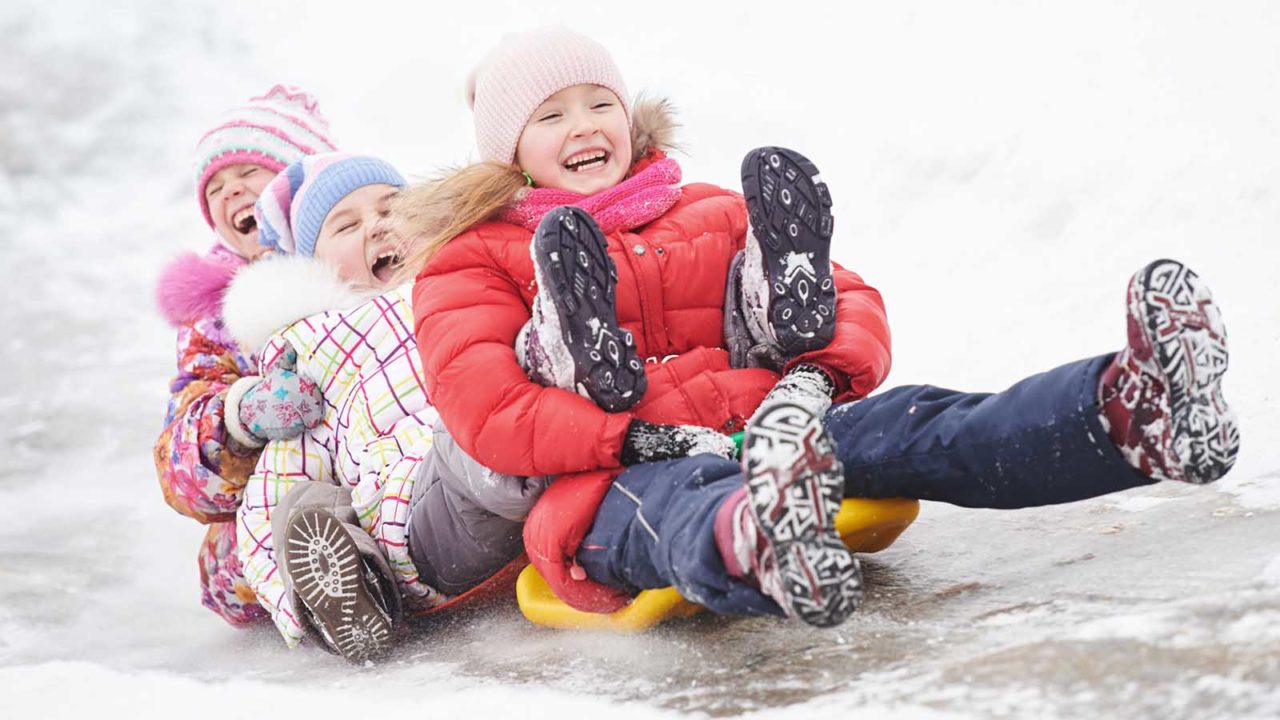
pixel 191 287
pixel 653 127
pixel 276 292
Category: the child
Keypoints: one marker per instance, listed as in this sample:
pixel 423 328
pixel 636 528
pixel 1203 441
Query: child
pixel 706 302
pixel 550 112
pixel 376 506
pixel 201 457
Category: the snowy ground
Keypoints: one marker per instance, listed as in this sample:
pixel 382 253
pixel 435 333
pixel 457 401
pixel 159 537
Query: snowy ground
pixel 999 170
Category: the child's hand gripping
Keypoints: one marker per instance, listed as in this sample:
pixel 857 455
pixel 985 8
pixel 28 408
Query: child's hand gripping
pixel 651 442
pixel 277 405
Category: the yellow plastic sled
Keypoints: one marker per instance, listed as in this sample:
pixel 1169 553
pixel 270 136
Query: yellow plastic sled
pixel 866 526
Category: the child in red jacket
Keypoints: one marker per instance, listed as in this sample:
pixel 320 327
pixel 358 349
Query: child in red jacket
pixel 654 302
pixel 646 268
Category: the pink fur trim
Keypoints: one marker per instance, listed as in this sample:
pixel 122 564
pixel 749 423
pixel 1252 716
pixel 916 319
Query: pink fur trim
pixel 191 287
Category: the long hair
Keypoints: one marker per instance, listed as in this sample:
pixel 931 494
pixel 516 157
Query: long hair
pixel 430 214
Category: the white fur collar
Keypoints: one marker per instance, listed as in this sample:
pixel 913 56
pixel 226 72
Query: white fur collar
pixel 279 290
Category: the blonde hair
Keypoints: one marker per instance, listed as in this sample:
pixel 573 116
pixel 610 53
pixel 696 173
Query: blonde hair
pixel 428 215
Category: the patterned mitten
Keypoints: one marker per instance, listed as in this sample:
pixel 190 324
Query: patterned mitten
pixel 650 442
pixel 277 405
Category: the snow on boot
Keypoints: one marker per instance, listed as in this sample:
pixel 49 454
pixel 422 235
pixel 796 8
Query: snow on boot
pixel 789 295
pixel 1161 397
pixel 346 596
pixel 794 488
pixel 574 341
pixel 803 385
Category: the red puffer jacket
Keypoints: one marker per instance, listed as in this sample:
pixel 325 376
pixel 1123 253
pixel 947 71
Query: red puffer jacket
pixel 475 294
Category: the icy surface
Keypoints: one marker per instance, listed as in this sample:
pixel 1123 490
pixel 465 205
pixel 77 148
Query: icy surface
pixel 998 171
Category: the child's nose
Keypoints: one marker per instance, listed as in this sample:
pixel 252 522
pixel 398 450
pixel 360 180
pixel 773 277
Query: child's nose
pixel 584 125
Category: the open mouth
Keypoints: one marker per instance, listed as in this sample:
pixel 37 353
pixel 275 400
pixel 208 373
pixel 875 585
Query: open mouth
pixel 243 221
pixel 586 161
pixel 384 267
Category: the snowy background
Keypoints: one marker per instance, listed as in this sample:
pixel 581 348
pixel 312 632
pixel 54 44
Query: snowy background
pixel 999 170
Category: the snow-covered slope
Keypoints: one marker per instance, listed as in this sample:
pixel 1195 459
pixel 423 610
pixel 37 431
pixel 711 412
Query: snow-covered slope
pixel 999 170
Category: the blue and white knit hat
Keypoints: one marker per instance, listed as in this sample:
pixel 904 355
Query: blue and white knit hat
pixel 294 205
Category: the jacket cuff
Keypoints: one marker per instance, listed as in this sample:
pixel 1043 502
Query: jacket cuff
pixel 231 412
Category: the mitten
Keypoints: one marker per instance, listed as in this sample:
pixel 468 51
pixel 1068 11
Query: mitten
pixel 649 442
pixel 277 405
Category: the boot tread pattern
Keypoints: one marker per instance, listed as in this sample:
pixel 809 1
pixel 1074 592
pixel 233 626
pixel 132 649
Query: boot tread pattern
pixel 795 485
pixel 329 578
pixel 790 212
pixel 571 252
pixel 1189 342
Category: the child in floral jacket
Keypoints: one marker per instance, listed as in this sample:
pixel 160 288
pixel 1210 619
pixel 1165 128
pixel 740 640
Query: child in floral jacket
pixel 202 467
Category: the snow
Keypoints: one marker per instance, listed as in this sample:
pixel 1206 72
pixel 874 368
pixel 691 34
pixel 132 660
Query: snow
pixel 998 169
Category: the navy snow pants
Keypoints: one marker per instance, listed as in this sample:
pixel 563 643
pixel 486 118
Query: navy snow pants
pixel 1040 442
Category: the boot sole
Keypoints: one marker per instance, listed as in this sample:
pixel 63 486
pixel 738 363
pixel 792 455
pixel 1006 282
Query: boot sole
pixel 790 213
pixel 1184 327
pixel 794 487
pixel 325 567
pixel 580 277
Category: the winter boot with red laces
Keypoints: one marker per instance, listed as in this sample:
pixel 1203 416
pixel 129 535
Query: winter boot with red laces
pixel 1161 397
pixel 779 531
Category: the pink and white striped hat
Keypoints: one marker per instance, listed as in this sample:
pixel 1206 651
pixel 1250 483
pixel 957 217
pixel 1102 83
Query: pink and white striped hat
pixel 524 70
pixel 271 130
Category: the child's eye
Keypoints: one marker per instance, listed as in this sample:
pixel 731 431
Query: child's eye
pixel 549 116
pixel 602 104
pixel 346 227
pixel 212 190
pixel 249 172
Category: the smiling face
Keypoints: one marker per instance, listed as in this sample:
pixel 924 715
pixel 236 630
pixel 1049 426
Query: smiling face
pixel 577 140
pixel 354 237
pixel 231 193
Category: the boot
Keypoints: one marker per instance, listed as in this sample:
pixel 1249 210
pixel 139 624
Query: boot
pixel 1161 397
pixel 788 294
pixel 341 585
pixel 783 525
pixel 574 341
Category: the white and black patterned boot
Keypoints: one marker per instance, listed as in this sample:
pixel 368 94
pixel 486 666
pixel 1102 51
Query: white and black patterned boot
pixel 1162 397
pixel 794 488
pixel 574 341
pixel 345 592
pixel 788 294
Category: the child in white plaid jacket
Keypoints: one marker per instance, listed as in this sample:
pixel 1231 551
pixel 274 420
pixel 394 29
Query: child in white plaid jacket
pixel 341 496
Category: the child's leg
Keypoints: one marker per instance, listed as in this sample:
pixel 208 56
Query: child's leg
pixel 225 591
pixel 465 521
pixel 781 296
pixel 655 529
pixel 1046 440
pixel 1039 442
pixel 573 341
pixel 760 544
pixel 337 577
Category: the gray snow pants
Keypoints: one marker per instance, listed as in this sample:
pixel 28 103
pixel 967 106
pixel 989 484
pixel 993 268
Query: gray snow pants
pixel 465 521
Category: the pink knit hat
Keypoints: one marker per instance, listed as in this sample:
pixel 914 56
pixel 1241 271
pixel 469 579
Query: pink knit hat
pixel 524 70
pixel 271 130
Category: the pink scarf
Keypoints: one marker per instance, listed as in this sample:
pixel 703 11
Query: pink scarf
pixel 638 200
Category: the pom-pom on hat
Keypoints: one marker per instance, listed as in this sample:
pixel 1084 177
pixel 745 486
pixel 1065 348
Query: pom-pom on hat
pixel 271 130
pixel 293 206
pixel 524 70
